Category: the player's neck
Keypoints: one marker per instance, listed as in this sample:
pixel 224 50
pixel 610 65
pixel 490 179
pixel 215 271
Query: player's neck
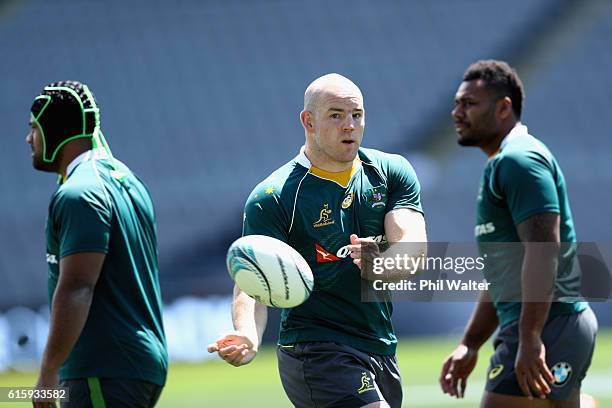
pixel 324 163
pixel 68 153
pixel 492 147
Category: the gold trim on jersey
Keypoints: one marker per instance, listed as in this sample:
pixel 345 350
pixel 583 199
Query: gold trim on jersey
pixel 341 178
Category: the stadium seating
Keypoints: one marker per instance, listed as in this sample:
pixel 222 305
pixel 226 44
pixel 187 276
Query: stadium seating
pixel 201 99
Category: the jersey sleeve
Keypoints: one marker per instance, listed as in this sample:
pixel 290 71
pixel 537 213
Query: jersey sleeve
pixel 527 184
pixel 83 219
pixel 264 215
pixel 403 184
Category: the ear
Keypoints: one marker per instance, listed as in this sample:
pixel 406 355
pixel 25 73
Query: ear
pixel 504 107
pixel 306 119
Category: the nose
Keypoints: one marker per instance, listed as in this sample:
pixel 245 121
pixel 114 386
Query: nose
pixel 28 138
pixel 456 113
pixel 349 124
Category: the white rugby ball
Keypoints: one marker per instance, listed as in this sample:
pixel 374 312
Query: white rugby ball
pixel 269 271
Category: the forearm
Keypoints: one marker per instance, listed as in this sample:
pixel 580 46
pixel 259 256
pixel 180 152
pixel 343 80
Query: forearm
pixel 402 260
pixel 482 323
pixel 69 311
pixel 405 257
pixel 409 260
pixel 538 276
pixel 249 317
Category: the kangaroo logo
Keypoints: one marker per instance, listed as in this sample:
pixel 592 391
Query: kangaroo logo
pixel 324 217
pixel 366 383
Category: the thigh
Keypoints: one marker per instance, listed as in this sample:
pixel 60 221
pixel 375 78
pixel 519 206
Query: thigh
pixel 379 404
pixel 569 342
pixel 129 393
pixel 388 379
pixel 96 392
pixel 327 375
pixel 494 400
pixel 501 378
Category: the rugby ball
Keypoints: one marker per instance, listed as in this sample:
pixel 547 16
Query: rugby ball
pixel 269 271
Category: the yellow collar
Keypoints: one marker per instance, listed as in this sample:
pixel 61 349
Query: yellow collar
pixel 341 177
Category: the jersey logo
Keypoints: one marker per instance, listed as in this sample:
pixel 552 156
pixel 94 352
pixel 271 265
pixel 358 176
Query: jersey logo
pixel 343 252
pixel 376 198
pixel 52 259
pixel 562 372
pixel 485 228
pixel 324 256
pixel 366 383
pixel 495 371
pixel 348 200
pixel 324 217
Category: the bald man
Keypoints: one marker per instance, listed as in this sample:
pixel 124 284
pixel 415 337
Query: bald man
pixel 334 350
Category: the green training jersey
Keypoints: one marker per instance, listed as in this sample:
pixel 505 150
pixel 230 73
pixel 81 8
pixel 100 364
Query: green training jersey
pixel 100 209
pixel 521 180
pixel 316 212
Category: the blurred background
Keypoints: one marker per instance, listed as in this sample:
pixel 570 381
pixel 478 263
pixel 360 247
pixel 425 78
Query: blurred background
pixel 201 99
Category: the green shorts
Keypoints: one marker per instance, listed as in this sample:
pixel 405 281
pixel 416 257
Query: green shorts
pixel 569 341
pixel 332 375
pixel 96 392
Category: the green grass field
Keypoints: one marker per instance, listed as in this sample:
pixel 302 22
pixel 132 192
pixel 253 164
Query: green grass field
pixel 216 384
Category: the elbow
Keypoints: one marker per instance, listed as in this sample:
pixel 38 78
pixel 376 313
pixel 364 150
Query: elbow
pixel 81 292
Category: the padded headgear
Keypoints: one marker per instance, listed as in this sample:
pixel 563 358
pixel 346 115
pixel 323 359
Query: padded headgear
pixel 61 116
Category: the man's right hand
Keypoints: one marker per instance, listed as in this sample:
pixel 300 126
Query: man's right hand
pixel 456 369
pixel 235 348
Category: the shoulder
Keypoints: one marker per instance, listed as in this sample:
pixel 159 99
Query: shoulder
pixel 269 206
pixel 388 163
pixel 85 186
pixel 392 166
pixel 279 186
pixel 382 159
pixel 524 153
pixel 520 164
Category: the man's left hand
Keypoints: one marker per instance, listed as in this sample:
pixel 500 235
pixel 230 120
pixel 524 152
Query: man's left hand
pixel 363 251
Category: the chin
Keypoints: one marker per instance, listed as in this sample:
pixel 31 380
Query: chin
pixel 348 157
pixel 466 141
pixel 41 165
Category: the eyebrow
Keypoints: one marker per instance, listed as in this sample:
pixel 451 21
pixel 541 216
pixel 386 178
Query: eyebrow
pixel 463 97
pixel 342 110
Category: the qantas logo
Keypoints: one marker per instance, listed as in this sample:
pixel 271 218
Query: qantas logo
pixel 344 251
pixel 483 229
pixel 324 256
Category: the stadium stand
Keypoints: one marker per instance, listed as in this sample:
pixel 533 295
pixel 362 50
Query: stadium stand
pixel 202 100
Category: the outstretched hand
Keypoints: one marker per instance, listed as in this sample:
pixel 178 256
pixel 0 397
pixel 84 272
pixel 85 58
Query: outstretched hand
pixel 235 348
pixel 456 369
pixel 363 250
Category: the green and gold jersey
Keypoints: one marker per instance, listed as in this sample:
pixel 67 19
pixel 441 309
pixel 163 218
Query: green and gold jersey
pixel 316 212
pixel 102 209
pixel 521 180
